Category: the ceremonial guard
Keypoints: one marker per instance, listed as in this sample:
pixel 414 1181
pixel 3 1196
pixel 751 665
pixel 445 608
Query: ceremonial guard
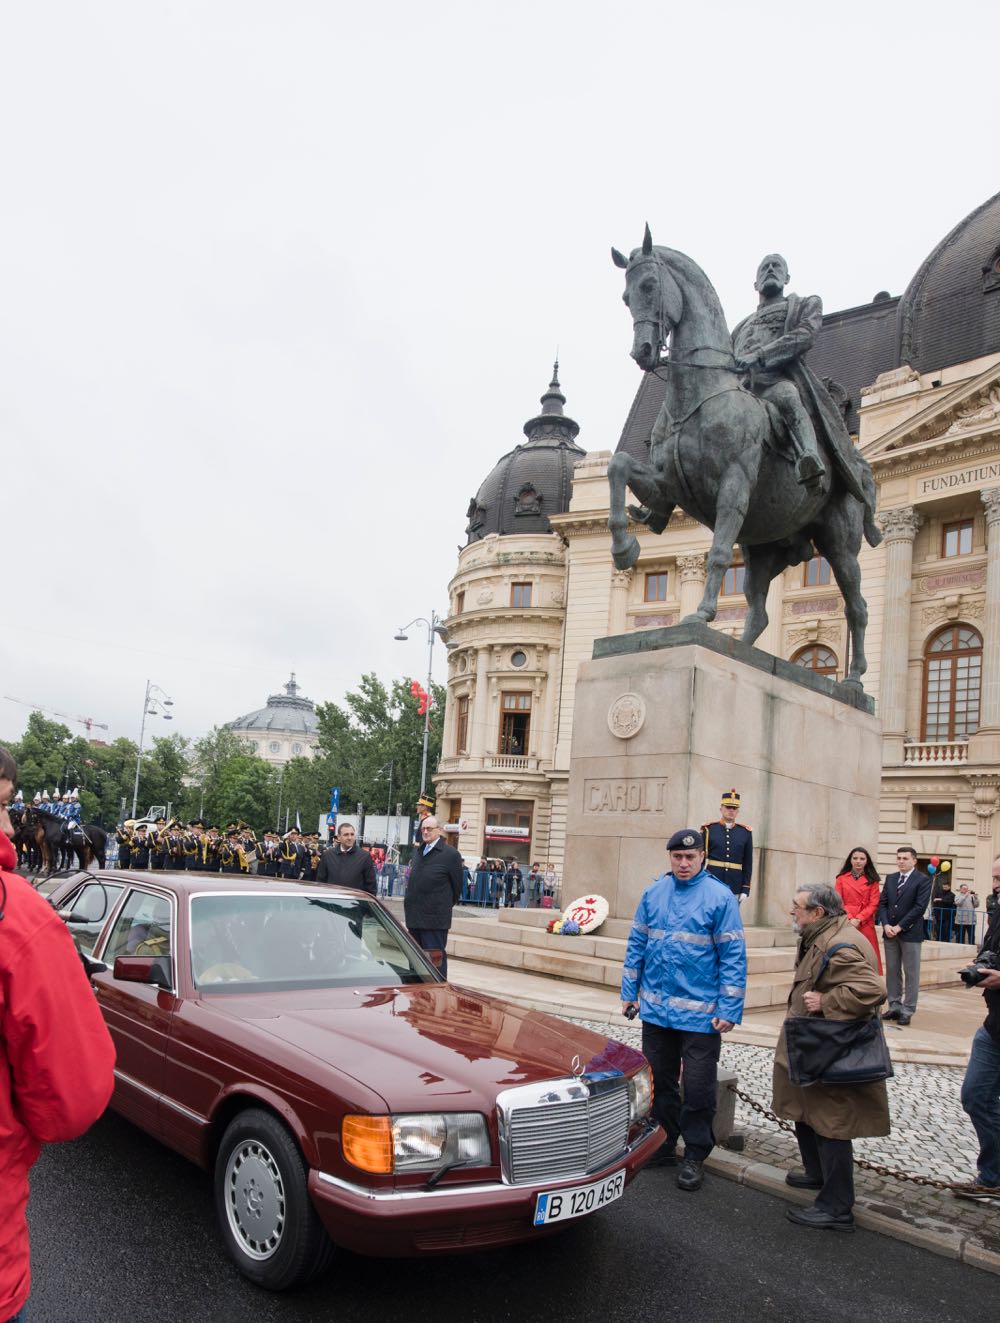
pixel 269 862
pixel 192 845
pixel 231 854
pixel 74 813
pixel 124 837
pixel 140 847
pixel 210 862
pixel 159 843
pixel 291 857
pixel 729 847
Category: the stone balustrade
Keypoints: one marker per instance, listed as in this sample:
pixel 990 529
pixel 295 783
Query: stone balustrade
pixel 940 753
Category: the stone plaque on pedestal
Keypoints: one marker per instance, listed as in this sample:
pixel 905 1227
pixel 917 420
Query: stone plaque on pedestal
pixel 668 719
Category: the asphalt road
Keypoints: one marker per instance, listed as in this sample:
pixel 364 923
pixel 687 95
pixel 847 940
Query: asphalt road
pixel 124 1230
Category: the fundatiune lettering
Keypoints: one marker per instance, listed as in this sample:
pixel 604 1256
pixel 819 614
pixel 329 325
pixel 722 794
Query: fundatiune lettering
pixel 966 478
pixel 644 794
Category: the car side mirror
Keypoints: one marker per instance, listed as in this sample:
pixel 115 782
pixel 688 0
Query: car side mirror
pixel 144 969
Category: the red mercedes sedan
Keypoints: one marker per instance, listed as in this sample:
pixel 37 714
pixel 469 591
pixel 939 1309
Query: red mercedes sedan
pixel 292 1039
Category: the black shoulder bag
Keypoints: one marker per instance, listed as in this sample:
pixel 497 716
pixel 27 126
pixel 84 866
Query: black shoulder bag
pixel 824 1051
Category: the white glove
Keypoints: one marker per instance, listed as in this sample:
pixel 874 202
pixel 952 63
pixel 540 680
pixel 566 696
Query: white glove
pixel 742 897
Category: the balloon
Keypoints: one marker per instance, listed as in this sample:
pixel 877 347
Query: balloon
pixel 932 869
pixel 935 860
pixel 946 866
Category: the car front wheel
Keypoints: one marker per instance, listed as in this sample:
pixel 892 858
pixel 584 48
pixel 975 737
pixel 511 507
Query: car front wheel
pixel 268 1223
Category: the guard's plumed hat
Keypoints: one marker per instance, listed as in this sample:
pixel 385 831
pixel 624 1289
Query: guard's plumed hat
pixel 425 801
pixel 688 838
pixel 730 799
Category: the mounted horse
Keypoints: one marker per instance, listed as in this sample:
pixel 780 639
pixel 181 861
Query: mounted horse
pixel 726 458
pixel 50 835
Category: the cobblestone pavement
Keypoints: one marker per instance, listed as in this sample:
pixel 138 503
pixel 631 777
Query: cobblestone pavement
pixel 931 1136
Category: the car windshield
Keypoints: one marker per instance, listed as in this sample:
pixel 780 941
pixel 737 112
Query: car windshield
pixel 283 942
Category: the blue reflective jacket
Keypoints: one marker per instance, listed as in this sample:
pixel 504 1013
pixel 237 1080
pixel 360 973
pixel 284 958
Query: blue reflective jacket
pixel 686 959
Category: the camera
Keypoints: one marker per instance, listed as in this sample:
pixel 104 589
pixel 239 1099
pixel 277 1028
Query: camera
pixel 980 967
pixel 632 1012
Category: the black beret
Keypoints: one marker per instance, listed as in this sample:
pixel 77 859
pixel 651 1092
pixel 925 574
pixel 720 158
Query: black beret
pixel 688 838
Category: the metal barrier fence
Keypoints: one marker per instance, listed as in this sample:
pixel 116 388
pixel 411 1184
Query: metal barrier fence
pixel 946 923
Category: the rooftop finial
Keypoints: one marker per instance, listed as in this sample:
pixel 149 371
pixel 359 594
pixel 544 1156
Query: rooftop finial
pixel 291 688
pixel 553 399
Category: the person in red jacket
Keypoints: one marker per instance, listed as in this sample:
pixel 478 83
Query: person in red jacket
pixel 858 887
pixel 56 1056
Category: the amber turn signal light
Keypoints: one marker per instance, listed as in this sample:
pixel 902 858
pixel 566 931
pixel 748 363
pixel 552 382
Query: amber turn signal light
pixel 367 1142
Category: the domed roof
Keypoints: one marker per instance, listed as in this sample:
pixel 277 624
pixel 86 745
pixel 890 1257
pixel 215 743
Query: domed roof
pixel 284 712
pixel 532 481
pixel 950 312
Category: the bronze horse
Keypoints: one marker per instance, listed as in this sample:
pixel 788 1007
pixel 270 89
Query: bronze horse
pixel 717 452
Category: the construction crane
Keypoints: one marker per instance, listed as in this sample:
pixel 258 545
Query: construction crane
pixel 89 722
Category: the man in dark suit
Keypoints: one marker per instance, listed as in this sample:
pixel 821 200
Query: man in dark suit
pixel 905 896
pixel 433 890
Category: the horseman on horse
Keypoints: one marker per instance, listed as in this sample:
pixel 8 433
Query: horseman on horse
pixel 748 441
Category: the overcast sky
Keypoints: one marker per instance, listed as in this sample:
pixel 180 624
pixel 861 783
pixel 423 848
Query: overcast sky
pixel 279 282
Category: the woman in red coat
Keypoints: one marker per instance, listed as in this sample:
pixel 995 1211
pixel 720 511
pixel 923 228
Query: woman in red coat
pixel 858 887
pixel 56 1057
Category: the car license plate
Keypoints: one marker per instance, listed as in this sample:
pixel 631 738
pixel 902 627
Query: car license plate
pixel 561 1205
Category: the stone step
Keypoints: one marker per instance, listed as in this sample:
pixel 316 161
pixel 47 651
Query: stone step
pixel 598 960
pixel 506 935
pixel 617 929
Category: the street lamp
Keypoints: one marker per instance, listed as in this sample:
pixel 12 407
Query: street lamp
pixel 433 626
pixel 154 704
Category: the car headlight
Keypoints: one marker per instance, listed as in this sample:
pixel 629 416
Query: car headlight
pixel 640 1094
pixel 418 1141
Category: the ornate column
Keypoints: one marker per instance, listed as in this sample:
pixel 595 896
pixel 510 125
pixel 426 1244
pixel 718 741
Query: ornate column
pixel 989 702
pixel 621 582
pixel 986 801
pixel 691 569
pixel 479 735
pixel 900 528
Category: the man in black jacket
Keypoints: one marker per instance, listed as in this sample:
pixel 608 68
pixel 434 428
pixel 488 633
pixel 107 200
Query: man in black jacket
pixel 346 864
pixel 433 890
pixel 981 1086
pixel 905 896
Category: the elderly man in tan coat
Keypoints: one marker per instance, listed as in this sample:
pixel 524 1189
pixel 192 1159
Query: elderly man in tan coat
pixel 829 1116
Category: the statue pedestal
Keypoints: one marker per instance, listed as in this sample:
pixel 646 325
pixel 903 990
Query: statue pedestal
pixel 666 720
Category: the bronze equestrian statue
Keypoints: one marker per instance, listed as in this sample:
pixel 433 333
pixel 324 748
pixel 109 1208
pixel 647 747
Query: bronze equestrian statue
pixel 748 441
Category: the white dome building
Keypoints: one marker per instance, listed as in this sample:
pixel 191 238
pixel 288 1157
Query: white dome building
pixel 285 728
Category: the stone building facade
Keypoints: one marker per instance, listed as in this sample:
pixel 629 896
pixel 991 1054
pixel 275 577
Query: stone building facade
pixel 919 377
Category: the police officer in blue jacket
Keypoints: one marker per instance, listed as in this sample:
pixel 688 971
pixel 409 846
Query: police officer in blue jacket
pixel 685 973
pixel 729 847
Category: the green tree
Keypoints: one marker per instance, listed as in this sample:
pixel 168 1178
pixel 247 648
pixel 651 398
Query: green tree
pixel 209 760
pixel 376 726
pixel 42 755
pixel 164 768
pixel 245 791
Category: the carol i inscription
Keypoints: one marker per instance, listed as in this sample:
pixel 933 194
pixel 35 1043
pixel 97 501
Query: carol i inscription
pixel 643 794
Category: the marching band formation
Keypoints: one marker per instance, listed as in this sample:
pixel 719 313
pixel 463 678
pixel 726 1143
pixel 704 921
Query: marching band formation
pixel 199 848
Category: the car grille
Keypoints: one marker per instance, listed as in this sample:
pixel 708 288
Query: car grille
pixel 562 1129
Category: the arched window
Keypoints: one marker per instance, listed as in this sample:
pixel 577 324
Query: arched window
pixel 953 664
pixel 817 658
